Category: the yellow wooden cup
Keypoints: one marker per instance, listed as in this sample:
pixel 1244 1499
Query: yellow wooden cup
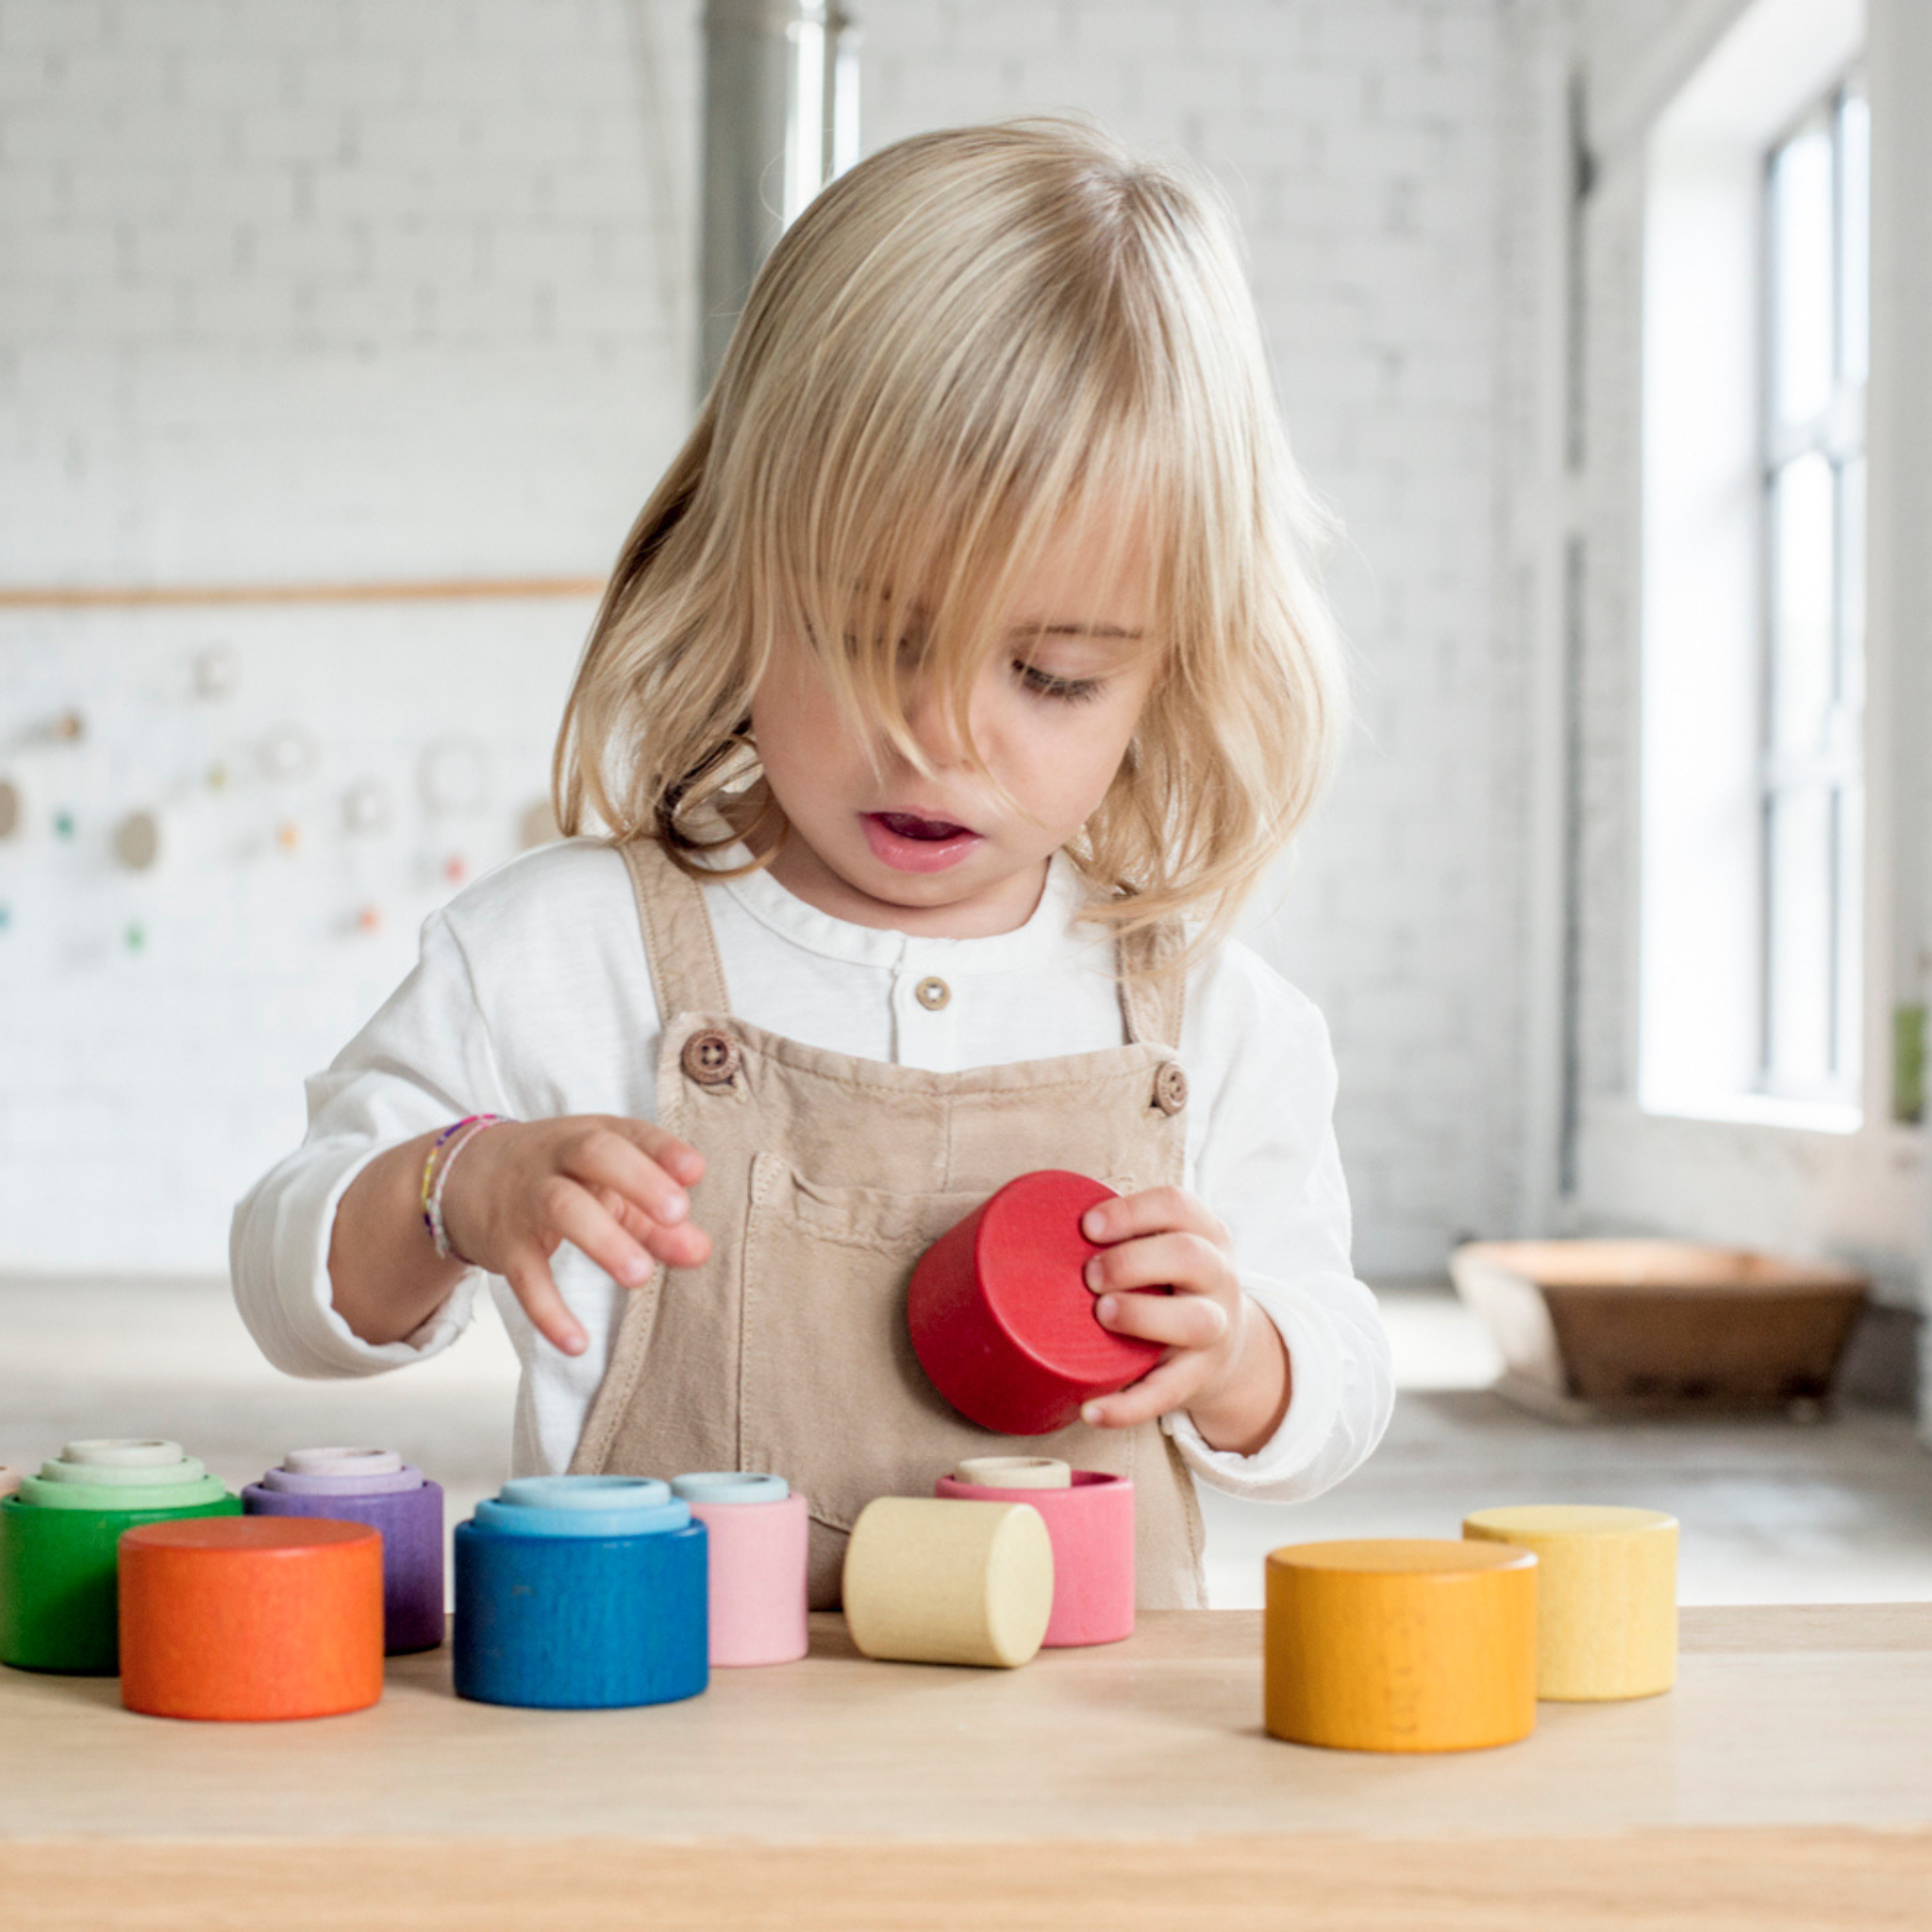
pixel 1395 1645
pixel 1606 1604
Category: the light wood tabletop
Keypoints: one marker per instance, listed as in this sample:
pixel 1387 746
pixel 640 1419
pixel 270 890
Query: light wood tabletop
pixel 1786 1782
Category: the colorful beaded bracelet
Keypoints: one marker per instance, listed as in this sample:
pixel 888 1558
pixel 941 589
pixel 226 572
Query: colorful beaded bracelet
pixel 436 1177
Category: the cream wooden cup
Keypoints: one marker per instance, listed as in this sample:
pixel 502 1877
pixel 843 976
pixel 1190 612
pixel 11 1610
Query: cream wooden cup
pixel 948 1582
pixel 1607 1601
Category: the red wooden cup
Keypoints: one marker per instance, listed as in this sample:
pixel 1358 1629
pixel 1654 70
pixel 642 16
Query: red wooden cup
pixel 1002 1320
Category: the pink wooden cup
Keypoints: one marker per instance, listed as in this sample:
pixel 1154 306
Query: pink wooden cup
pixel 759 1530
pixel 1091 1524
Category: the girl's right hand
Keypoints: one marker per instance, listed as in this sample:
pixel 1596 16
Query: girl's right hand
pixel 613 1188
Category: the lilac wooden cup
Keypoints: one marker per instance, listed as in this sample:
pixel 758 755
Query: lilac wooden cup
pixel 378 1488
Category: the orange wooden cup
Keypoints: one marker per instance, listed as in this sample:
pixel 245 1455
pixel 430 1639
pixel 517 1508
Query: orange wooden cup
pixel 1386 1644
pixel 251 1617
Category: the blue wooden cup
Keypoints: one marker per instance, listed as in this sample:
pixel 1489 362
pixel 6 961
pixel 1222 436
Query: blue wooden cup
pixel 581 1592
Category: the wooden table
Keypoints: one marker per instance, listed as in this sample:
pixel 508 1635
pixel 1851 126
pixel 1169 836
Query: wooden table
pixel 1786 1782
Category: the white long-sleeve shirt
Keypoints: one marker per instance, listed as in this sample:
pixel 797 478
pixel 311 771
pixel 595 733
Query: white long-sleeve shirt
pixel 533 998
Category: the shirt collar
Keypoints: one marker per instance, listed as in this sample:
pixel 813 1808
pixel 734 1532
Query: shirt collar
pixel 1051 933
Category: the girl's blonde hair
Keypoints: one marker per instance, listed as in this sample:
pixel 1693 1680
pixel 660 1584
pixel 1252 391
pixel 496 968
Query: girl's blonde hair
pixel 966 339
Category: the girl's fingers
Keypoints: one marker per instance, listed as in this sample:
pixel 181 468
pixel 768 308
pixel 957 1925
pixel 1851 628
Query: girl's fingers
pixel 683 1246
pixel 569 1212
pixel 1174 1320
pixel 601 1158
pixel 532 1284
pixel 681 1161
pixel 1186 1261
pixel 1152 1211
pixel 1166 1385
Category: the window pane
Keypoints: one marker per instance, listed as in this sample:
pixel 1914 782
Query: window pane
pixel 1803 672
pixel 1850 905
pixel 1803 933
pixel 1802 265
pixel 1854 278
pixel 1851 587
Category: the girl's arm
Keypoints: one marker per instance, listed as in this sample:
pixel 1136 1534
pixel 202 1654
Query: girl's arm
pixel 1259 1245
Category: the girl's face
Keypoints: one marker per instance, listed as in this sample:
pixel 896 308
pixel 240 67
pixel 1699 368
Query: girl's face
pixel 875 843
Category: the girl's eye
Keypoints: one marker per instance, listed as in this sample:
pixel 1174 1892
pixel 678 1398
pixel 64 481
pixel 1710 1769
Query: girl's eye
pixel 1068 689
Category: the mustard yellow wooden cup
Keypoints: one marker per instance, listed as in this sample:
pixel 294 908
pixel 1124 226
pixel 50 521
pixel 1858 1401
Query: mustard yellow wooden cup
pixel 1607 1601
pixel 1398 1645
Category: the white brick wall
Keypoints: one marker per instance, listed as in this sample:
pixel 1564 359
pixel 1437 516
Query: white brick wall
pixel 344 288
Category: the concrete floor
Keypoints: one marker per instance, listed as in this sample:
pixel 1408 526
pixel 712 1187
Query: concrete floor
pixel 1839 1511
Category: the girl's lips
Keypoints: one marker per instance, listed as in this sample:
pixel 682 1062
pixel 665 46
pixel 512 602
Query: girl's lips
pixel 914 844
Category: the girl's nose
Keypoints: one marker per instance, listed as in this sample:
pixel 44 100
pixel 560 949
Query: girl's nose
pixel 935 728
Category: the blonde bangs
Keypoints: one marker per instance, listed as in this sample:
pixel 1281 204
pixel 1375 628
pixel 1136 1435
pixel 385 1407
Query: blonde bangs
pixel 970 340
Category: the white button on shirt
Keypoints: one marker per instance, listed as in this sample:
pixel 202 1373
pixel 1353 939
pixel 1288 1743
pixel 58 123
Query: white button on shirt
pixel 532 998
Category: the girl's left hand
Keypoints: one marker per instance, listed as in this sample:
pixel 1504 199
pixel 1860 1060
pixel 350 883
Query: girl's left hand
pixel 1224 1362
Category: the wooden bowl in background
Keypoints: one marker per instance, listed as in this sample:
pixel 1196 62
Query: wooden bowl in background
pixel 1621 1328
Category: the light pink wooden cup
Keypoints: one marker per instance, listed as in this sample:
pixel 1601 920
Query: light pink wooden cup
pixel 759 1531
pixel 1091 1524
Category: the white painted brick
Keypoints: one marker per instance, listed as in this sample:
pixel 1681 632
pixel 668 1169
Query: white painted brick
pixel 224 75
pixel 53 23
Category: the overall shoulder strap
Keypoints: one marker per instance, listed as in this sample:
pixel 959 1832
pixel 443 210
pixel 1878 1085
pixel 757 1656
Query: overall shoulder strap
pixel 679 946
pixel 1152 1002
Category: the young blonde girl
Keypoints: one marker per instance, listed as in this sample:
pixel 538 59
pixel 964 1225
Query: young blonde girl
pixel 958 683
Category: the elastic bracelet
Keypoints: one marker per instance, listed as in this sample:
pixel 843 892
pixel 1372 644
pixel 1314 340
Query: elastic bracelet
pixel 459 1136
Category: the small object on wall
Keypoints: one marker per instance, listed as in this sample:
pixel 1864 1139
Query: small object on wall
pixel 1397 1645
pixel 216 671
pixel 538 826
pixel 368 920
pixel 454 775
pixel 1089 1521
pixel 367 808
pixel 378 1487
pixel 6 915
pixel 138 840
pixel 581 1592
pixel 57 1537
pixel 63 824
pixel 761 1532
pixel 70 728
pixel 936 1582
pixel 289 835
pixel 134 938
pixel 1607 1595
pixel 288 752
pixel 1002 1319
pixel 13 809
pixel 455 868
pixel 251 1619
pixel 218 776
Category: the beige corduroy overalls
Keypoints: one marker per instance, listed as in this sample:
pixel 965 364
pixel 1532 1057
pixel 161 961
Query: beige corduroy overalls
pixel 825 1178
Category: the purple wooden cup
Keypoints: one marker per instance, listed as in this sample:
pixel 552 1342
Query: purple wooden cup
pixel 371 1486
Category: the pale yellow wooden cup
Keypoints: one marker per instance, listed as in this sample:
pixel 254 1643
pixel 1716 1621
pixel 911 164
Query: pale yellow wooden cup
pixel 1607 1601
pixel 1400 1645
pixel 938 1581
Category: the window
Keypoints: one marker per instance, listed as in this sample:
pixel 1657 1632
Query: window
pixel 1755 298
pixel 1815 287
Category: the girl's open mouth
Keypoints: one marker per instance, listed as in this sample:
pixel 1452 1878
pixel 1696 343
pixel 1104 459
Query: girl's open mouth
pixel 908 843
